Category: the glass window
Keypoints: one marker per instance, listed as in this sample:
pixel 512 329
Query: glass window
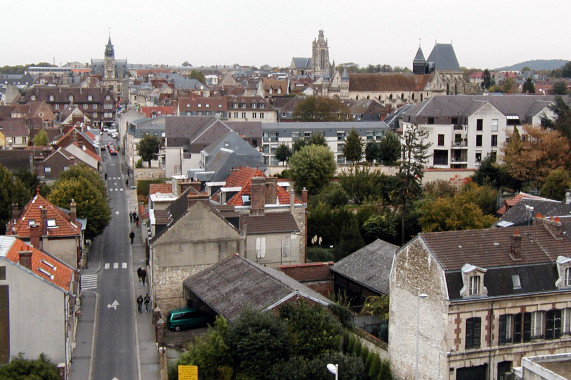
pixel 473 327
pixel 567 275
pixel 479 124
pixel 440 140
pixel 537 324
pixel 506 329
pixel 494 125
pixel 474 286
pixel 494 141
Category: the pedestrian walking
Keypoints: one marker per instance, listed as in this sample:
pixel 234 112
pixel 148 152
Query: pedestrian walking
pixel 140 303
pixel 106 176
pixel 139 273
pixel 143 276
pixel 132 236
pixel 127 182
pixel 137 220
pixel 147 300
pixel 130 216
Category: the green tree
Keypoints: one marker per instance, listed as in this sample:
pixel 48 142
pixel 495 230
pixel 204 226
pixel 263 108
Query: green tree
pixel 487 79
pixel 559 88
pixel 257 341
pixel 495 175
pixel 528 87
pixel 453 214
pixel 312 168
pixel 414 156
pixel 91 203
pixel 41 138
pixel 313 329
pixel 317 108
pixel 564 71
pixel 84 171
pixel 333 195
pixel 359 184
pixel 315 139
pixel 563 120
pixel 148 148
pixel 380 226
pixel 20 368
pixel 198 75
pixel 283 153
pixel 372 150
pixel 389 148
pixel 556 184
pixel 353 148
pixel 12 190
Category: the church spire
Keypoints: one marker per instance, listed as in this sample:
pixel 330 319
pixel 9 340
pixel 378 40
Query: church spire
pixel 109 51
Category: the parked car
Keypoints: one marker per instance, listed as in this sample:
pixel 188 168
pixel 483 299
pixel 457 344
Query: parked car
pixel 187 318
pixel 111 131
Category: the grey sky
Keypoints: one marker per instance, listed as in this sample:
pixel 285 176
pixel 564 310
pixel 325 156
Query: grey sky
pixel 485 34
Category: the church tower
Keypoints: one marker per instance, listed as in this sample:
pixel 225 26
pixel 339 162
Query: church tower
pixel 320 56
pixel 109 61
pixel 419 63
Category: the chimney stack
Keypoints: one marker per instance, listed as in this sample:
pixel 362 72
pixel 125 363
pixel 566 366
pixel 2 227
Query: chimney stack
pixel 35 236
pixel 25 259
pixel 44 224
pixel 72 211
pixel 515 246
pixel 304 196
pixel 271 192
pixel 291 201
pixel 258 196
pixel 568 197
pixel 15 213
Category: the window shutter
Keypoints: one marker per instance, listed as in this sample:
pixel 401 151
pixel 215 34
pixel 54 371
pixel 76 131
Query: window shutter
pixel 502 335
pixel 527 327
pixel 477 329
pixel 517 328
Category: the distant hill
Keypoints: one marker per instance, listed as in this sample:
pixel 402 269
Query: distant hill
pixel 536 64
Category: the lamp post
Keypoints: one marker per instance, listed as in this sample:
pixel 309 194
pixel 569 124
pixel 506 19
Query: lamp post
pixel 334 369
pixel 420 296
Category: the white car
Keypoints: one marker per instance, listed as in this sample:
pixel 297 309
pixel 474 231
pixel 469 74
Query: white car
pixel 111 131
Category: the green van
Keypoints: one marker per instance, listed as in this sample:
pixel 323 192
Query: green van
pixel 188 318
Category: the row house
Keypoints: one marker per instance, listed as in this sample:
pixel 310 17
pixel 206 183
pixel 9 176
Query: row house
pixel 231 108
pixel 335 133
pixel 97 103
pixel 463 130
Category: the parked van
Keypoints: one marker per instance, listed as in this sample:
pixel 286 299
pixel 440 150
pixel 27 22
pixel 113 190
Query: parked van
pixel 188 318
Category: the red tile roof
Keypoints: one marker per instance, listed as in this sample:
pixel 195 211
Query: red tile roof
pixel 163 188
pixel 44 265
pixel 159 111
pixel 32 211
pixel 242 176
pixel 88 152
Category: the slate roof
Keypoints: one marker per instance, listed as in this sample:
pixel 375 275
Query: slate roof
pixel 301 63
pixel 32 211
pixel 490 248
pixel 44 265
pixel 270 223
pixel 509 203
pixel 370 266
pixel 212 104
pixel 444 57
pixel 518 215
pixel 419 57
pixel 14 127
pixel 237 283
pixel 375 82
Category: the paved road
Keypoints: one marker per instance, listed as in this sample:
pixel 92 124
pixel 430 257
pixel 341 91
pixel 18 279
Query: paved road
pixel 115 354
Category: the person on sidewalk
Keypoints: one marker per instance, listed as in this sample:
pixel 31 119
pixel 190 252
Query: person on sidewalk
pixel 140 303
pixel 130 216
pixel 106 176
pixel 139 273
pixel 147 301
pixel 143 276
pixel 132 236
pixel 137 220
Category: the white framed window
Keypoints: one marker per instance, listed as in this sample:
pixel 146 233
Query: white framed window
pixel 262 115
pixel 254 115
pixel 70 98
pixel 235 115
pixel 52 223
pixel 474 288
pixel 494 125
pixel 260 247
pixel 243 115
pixel 537 324
pixel 567 276
pixel 89 98
pixel 85 106
pixel 51 98
pixel 47 169
pixel 566 321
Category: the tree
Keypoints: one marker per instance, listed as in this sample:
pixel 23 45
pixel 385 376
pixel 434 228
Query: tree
pixel 91 203
pixel 556 184
pixel 353 148
pixel 380 226
pixel 563 117
pixel 495 175
pixel 389 148
pixel 372 150
pixel 564 71
pixel 312 168
pixel 532 160
pixel 283 153
pixel 559 88
pixel 487 79
pixel 20 368
pixel 12 190
pixel 315 139
pixel 318 108
pixel 528 87
pixel 148 148
pixel 41 138
pixel 414 156
pixel 198 75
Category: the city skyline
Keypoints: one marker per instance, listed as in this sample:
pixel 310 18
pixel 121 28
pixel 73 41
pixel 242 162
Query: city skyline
pixel 484 35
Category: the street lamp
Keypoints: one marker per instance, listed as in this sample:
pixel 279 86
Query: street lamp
pixel 334 369
pixel 420 296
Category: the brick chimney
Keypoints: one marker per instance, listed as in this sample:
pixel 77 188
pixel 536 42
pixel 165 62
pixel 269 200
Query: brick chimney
pixel 15 213
pixel 72 211
pixel 304 195
pixel 553 225
pixel 35 236
pixel 44 225
pixel 25 259
pixel 515 246
pixel 271 192
pixel 291 201
pixel 568 197
pixel 258 196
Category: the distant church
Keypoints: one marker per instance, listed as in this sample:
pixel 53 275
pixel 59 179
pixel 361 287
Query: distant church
pixel 318 65
pixel 113 71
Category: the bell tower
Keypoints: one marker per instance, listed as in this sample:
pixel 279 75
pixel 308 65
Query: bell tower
pixel 109 61
pixel 320 56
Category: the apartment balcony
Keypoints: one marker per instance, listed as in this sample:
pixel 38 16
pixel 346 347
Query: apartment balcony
pixel 460 144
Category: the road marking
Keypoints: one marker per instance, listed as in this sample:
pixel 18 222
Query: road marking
pixel 116 212
pixel 115 265
pixel 121 189
pixel 124 265
pixel 88 281
pixel 106 265
pixel 113 305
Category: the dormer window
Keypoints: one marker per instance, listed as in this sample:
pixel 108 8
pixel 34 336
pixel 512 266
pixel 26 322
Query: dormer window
pixel 243 105
pixel 473 279
pixel 253 105
pixel 70 98
pixel 52 98
pixel 261 105
pixel 33 97
pixel 564 270
pixel 235 105
pixel 52 223
pixel 89 98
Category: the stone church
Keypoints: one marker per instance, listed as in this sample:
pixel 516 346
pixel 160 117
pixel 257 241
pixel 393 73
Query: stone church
pixel 112 71
pixel 318 65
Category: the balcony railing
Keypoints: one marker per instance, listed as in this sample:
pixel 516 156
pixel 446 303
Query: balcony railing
pixel 460 144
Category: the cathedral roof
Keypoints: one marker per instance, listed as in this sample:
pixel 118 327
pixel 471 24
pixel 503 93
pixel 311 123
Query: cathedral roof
pixel 419 57
pixel 444 57
pixel 388 82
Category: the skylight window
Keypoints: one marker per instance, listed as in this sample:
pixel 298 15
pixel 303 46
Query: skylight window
pixel 46 273
pixel 52 223
pixel 516 281
pixel 49 264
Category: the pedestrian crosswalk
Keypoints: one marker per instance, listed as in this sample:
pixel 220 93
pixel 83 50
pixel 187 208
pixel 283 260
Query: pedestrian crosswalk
pixel 88 281
pixel 116 189
pixel 115 265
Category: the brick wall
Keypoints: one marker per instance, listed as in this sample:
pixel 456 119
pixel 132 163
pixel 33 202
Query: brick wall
pixel 168 285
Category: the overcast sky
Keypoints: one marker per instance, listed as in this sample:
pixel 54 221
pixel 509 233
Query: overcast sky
pixel 484 33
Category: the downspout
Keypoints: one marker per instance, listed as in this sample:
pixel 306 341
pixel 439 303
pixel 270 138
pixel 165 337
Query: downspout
pixel 66 323
pixel 491 322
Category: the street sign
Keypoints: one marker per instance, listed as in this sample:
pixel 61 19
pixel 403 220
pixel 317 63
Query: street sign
pixel 113 305
pixel 187 372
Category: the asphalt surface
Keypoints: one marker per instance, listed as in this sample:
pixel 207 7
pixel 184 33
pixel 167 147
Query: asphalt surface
pixel 113 340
